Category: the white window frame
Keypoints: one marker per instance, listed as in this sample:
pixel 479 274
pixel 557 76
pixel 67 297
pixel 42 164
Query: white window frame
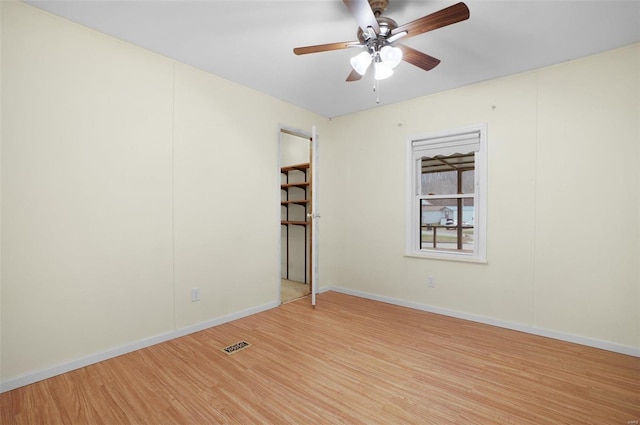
pixel 447 140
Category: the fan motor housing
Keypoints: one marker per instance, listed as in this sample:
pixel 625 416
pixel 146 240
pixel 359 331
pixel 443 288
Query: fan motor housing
pixel 386 26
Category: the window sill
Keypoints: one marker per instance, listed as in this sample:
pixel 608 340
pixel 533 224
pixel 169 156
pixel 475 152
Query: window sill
pixel 447 257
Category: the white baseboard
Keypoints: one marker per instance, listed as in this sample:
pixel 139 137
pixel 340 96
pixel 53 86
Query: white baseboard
pixel 589 342
pixel 40 375
pixel 324 289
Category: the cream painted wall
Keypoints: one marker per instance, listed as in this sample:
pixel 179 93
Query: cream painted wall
pixel 86 211
pixel 127 179
pixel 227 191
pixel 589 107
pixel 563 230
pixel 294 149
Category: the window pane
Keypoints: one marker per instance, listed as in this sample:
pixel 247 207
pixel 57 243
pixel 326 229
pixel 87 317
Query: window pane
pixel 446 227
pixel 440 174
pixel 439 183
pixel 468 183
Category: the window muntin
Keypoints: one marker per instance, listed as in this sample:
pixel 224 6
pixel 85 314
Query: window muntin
pixel 446 196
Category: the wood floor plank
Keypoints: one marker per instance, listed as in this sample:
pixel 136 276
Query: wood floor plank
pixel 349 360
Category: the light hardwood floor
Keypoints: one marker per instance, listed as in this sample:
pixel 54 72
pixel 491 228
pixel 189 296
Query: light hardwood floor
pixel 350 361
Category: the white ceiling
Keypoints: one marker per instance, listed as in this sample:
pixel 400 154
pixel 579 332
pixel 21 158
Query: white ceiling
pixel 251 42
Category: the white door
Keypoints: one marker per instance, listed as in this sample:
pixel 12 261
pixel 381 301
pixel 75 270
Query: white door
pixel 315 216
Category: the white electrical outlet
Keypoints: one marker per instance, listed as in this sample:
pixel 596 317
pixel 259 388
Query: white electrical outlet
pixel 431 283
pixel 195 294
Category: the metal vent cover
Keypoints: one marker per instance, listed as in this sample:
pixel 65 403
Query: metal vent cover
pixel 234 348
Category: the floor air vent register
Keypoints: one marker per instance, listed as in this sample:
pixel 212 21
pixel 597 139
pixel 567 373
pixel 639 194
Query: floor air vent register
pixel 234 348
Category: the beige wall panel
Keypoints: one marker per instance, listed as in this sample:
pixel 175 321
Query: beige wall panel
pixel 227 194
pixel 373 157
pixel 86 192
pixel 587 198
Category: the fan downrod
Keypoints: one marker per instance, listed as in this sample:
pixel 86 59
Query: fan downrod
pixel 378 6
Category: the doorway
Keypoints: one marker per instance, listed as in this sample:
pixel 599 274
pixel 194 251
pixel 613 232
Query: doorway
pixel 295 215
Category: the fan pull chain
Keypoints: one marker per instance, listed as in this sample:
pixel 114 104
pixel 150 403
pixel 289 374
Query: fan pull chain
pixel 376 89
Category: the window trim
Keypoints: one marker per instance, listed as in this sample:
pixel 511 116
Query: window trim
pixel 412 248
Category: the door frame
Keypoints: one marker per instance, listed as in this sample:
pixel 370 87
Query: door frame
pixel 312 137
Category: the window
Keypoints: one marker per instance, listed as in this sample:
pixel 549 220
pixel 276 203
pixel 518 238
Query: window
pixel 446 195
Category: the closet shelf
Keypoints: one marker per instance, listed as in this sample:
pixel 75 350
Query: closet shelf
pixel 296 202
pixel 301 185
pixel 295 167
pixel 300 191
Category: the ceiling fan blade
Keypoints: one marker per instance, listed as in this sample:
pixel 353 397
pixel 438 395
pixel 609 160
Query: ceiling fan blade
pixel 353 76
pixel 417 58
pixel 450 15
pixel 363 14
pixel 325 47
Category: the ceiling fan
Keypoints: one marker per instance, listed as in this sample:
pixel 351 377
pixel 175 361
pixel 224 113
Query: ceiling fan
pixel 378 36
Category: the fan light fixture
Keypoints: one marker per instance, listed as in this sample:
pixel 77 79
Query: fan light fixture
pixel 391 56
pixel 381 71
pixel 384 61
pixel 361 62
